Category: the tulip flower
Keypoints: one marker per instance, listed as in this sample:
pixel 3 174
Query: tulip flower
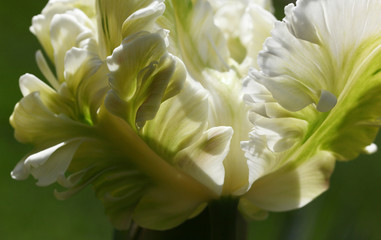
pixel 167 107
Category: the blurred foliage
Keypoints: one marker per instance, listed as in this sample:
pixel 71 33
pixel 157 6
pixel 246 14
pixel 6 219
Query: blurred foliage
pixel 349 210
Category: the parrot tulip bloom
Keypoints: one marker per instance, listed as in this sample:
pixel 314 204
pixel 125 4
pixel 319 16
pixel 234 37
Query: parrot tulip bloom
pixel 154 105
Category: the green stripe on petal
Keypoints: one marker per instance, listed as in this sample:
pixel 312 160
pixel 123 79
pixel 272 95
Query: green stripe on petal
pixel 86 79
pixel 194 36
pixel 33 123
pixel 111 16
pixel 332 61
pixel 143 19
pixel 179 122
pixel 141 70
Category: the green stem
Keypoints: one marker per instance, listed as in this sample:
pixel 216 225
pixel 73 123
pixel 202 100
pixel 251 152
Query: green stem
pixel 220 221
pixel 132 234
pixel 225 221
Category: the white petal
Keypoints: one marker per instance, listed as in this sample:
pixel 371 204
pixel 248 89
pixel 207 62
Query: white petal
pixel 20 172
pixel 65 31
pixel 195 37
pixel 143 19
pixel 293 186
pixel 47 165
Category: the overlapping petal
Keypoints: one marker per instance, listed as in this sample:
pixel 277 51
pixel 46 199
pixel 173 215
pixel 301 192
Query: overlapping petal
pixel 246 25
pixel 313 100
pixel 141 70
pixel 194 37
pixel 112 15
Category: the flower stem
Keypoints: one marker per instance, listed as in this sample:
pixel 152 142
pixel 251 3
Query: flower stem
pixel 225 221
pixel 220 221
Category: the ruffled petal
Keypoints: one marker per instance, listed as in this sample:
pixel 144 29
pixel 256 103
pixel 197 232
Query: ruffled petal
pixel 34 122
pixel 194 36
pixel 66 31
pixel 143 19
pixel 111 17
pixel 316 98
pixel 86 79
pixel 141 70
pixel 246 25
pixel 179 122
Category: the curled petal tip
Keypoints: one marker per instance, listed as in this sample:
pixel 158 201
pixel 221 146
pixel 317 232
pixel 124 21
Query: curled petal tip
pixel 326 102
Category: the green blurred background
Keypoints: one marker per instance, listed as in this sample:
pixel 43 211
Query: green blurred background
pixel 350 209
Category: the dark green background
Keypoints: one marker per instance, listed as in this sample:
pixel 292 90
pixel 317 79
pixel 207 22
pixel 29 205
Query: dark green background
pixel 351 209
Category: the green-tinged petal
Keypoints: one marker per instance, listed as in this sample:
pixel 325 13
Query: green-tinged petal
pixel 315 53
pixel 35 123
pixel 86 79
pixel 313 59
pixel 308 60
pixel 117 182
pixel 143 19
pixel 194 36
pixel 30 83
pixel 203 160
pixel 120 190
pixel 162 209
pixel 154 166
pixel 141 70
pixel 293 186
pixel 81 63
pixel 111 16
pixel 356 125
pixel 179 122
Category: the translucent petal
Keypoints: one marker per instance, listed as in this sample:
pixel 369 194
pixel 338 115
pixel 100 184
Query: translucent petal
pixel 179 122
pixel 203 160
pixel 293 186
pixel 49 164
pixel 194 36
pixel 34 122
pixel 111 16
